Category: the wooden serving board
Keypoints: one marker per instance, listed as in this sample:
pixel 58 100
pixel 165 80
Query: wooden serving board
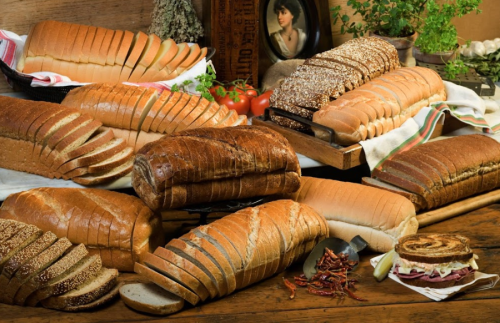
pixel 344 157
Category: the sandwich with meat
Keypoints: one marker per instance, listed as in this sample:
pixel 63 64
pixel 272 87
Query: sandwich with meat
pixel 434 260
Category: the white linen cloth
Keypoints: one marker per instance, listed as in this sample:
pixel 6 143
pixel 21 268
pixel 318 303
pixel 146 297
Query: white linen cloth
pixel 462 103
pixel 11 48
pixel 481 281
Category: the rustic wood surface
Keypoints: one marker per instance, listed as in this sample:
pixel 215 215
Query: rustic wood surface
pixel 268 300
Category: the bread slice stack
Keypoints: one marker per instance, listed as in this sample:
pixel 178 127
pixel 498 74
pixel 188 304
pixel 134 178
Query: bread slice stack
pixel 328 75
pixel 441 172
pixel 231 253
pixel 58 142
pixel 140 115
pixel 36 267
pixel 380 105
pixel 95 54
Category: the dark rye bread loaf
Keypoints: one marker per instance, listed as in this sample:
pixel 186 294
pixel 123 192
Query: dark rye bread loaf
pixel 206 165
pixel 119 227
pixel 440 172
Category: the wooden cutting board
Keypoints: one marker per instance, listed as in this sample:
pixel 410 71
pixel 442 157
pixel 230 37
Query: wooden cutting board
pixel 457 208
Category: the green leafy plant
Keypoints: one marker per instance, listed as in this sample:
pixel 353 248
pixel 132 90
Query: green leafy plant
pixel 488 65
pixel 438 33
pixel 392 18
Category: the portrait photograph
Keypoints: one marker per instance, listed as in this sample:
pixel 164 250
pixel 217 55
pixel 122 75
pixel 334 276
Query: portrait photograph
pixel 287 24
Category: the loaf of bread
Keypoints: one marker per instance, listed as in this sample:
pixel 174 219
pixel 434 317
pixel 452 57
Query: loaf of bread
pixel 440 172
pixel 140 115
pixel 328 75
pixel 380 105
pixel 37 267
pixel 214 164
pixel 118 227
pixel 57 142
pixel 352 209
pixel 236 251
pixel 95 54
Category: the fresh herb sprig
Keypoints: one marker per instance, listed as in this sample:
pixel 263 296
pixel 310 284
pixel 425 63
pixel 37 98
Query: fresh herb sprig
pixel 488 65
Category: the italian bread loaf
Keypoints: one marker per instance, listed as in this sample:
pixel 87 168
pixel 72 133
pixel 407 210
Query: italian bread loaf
pixel 57 142
pixel 328 75
pixel 440 172
pixel 95 54
pixel 140 115
pixel 378 216
pixel 37 267
pixel 380 105
pixel 118 227
pixel 238 250
pixel 214 164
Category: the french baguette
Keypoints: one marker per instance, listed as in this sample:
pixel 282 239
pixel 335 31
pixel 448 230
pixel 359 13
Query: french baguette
pixel 130 228
pixel 96 54
pixel 378 216
pixel 214 164
pixel 265 240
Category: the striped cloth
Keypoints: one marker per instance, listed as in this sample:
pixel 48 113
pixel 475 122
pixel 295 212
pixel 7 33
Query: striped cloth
pixel 462 103
pixel 11 48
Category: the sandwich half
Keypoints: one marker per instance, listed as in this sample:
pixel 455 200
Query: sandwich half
pixel 434 260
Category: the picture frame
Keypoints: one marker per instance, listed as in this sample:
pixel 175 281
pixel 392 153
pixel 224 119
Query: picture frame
pixel 308 37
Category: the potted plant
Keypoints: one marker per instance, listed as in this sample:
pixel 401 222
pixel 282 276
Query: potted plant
pixel 393 20
pixel 437 42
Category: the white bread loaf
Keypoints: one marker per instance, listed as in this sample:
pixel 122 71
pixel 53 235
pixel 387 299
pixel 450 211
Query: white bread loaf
pixel 378 216
pixel 96 54
pixel 257 242
pixel 51 140
pixel 140 115
pixel 119 227
pixel 392 98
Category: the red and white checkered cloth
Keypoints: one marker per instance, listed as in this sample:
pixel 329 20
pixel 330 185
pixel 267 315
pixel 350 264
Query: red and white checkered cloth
pixel 11 48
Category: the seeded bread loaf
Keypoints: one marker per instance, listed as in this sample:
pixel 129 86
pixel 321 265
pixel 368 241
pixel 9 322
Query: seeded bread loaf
pixel 214 164
pixel 96 54
pixel 51 270
pixel 118 227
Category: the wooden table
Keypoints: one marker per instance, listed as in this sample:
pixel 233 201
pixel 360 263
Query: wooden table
pixel 268 300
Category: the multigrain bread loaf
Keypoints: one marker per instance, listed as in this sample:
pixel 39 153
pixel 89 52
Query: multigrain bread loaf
pixel 140 115
pixel 214 164
pixel 238 250
pixel 328 75
pixel 380 105
pixel 118 227
pixel 96 54
pixel 50 140
pixel 441 172
pixel 351 209
pixel 52 271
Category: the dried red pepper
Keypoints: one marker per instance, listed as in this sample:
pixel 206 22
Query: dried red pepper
pixel 331 279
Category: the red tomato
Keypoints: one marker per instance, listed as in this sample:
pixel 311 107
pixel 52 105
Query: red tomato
pixel 241 107
pixel 213 91
pixel 247 90
pixel 260 103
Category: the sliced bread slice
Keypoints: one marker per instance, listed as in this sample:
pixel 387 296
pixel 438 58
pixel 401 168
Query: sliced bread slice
pixel 153 112
pixel 93 289
pixel 167 283
pixel 105 299
pixel 112 162
pixel 165 54
pixel 136 48
pixel 147 57
pixel 150 298
pixel 21 239
pixel 107 177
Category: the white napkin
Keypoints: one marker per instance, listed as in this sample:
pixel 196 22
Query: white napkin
pixel 481 281
pixel 11 48
pixel 462 103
